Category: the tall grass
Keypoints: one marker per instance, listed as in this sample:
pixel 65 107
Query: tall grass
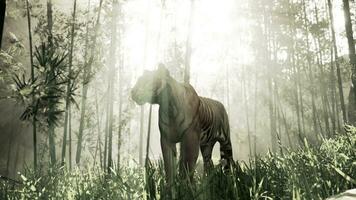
pixel 307 173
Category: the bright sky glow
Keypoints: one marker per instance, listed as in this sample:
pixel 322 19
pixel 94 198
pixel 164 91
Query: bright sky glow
pixel 148 25
pixel 212 39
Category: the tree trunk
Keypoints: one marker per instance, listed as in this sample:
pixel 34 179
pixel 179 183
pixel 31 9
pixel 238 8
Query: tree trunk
pixel 296 77
pixel 16 163
pixel 338 71
pixel 255 113
pixel 69 83
pixel 246 110
pixel 323 89
pixel 352 56
pixel 300 94
pixel 98 122
pixel 112 72
pixel 228 89
pixel 284 120
pixel 51 104
pixel 150 110
pixel 9 155
pixel 297 106
pixel 51 125
pixel 106 131
pixel 333 91
pixel 121 66
pixel 34 131
pixel 120 110
pixel 142 108
pixel 267 35
pixel 148 136
pixel 2 18
pixel 50 22
pixel 70 137
pixel 142 117
pixel 87 75
pixel 324 97
pixel 188 50
pixel 310 71
pixel 278 118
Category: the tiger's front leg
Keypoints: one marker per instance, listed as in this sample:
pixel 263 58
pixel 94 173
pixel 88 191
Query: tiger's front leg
pixel 169 153
pixel 189 153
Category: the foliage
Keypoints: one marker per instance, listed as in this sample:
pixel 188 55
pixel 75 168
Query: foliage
pixel 9 66
pixel 47 88
pixel 309 173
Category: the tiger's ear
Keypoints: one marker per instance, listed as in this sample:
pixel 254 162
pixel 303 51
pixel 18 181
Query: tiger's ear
pixel 163 73
pixel 162 86
pixel 162 70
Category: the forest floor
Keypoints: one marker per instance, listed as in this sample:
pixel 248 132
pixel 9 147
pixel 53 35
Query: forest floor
pixel 305 173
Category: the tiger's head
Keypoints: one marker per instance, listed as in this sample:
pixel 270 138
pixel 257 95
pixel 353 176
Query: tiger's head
pixel 149 86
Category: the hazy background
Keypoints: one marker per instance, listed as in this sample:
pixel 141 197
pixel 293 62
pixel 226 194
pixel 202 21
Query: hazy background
pixel 223 46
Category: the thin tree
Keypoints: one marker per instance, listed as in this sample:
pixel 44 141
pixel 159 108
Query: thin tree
pixel 50 21
pixel 300 91
pixel 338 71
pixel 86 52
pixel 34 131
pixel 98 122
pixel 333 100
pixel 17 159
pixel 121 66
pixel 188 46
pixel 150 110
pixel 352 57
pixel 51 103
pixel 121 123
pixel 333 91
pixel 142 108
pixel 284 120
pixel 87 74
pixel 2 18
pixel 69 83
pixel 227 89
pixel 274 93
pixel 112 72
pixel 295 64
pixel 70 137
pixel 142 119
pixel 310 70
pixel 106 129
pixel 11 139
pixel 255 112
pixel 319 57
pixel 267 52
pixel 244 89
pixel 294 71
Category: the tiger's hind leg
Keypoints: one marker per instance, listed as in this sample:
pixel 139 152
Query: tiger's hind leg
pixel 226 154
pixel 206 151
pixel 225 143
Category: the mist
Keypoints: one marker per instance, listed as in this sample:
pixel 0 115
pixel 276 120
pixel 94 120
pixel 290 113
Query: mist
pixel 283 71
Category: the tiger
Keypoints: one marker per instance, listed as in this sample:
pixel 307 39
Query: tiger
pixel 184 117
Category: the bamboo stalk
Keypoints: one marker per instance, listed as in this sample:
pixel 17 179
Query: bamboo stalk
pixel 34 131
pixel 69 83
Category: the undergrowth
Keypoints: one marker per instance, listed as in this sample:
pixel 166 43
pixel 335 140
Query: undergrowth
pixel 306 173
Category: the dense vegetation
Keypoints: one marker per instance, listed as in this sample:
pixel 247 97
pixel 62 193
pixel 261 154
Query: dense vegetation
pixel 308 173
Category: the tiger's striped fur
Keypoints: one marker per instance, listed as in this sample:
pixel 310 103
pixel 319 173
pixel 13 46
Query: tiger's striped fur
pixel 214 125
pixel 196 122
